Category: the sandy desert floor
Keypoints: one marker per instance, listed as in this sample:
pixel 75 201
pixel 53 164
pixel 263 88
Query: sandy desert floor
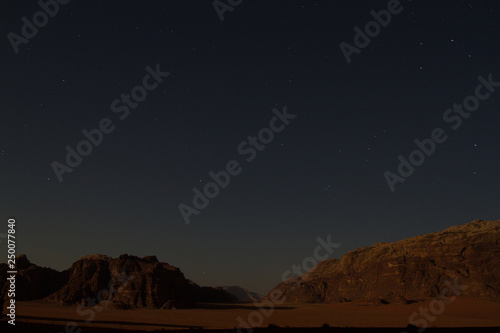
pixel 463 312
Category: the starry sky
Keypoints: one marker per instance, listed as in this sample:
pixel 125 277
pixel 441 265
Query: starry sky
pixel 323 174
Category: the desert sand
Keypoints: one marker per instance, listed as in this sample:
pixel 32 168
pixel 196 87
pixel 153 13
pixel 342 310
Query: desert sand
pixel 463 312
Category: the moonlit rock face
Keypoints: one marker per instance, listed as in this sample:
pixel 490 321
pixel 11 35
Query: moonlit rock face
pixel 413 269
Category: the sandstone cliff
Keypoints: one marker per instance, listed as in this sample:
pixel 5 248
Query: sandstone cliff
pixel 132 282
pixel 410 270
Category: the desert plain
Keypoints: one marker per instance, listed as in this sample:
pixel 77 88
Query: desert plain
pixel 463 312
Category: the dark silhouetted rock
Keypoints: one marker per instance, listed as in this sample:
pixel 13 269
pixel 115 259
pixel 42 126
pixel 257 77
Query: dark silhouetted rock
pixel 32 281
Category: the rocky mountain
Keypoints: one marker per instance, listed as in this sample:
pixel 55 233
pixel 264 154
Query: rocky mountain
pixel 124 282
pixel 132 282
pixel 241 294
pixel 32 281
pixel 414 269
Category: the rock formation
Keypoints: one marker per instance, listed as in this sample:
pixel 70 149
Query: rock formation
pixel 32 281
pixel 132 282
pixel 410 270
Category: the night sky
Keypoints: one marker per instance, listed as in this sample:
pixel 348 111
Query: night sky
pixel 322 174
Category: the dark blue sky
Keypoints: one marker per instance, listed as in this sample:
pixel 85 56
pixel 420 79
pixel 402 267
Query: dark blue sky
pixel 322 175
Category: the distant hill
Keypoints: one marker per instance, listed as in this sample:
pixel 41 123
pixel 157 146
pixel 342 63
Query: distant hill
pixel 409 270
pixel 241 294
